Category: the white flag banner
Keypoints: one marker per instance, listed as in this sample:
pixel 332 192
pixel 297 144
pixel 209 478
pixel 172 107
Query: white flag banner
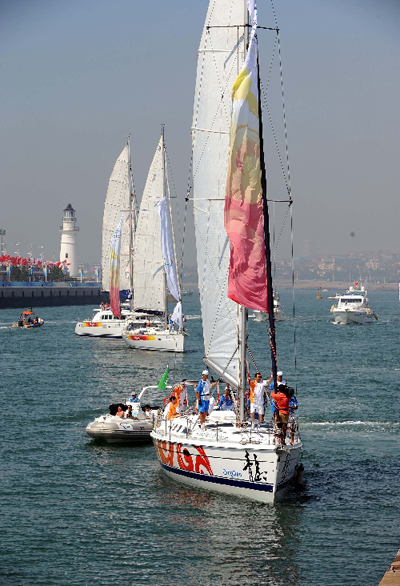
pixel 177 316
pixel 167 249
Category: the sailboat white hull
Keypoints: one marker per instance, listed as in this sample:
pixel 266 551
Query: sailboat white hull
pixel 163 340
pixel 100 329
pixel 256 469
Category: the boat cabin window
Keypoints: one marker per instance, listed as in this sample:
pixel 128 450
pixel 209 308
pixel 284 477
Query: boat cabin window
pixel 346 300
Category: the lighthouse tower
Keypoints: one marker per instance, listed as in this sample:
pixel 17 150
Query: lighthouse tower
pixel 69 231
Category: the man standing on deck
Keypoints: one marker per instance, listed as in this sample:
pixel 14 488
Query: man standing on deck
pixel 257 396
pixel 279 381
pixel 282 402
pixel 203 391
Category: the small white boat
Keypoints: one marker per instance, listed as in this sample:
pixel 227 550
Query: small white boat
pixel 104 324
pixel 352 307
pixel 113 428
pixel 278 311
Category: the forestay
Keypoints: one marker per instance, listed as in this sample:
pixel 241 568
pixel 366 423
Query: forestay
pixel 221 56
pixel 117 203
pixel 148 264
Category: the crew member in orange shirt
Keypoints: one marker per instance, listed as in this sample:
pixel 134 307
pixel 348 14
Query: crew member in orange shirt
pixel 282 401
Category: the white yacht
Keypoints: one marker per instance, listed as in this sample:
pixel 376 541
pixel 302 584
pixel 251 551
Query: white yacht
pixel 104 324
pixel 352 307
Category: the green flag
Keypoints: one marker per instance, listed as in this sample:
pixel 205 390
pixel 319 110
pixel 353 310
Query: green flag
pixel 163 381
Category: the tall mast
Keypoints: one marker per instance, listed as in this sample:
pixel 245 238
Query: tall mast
pixel 162 197
pixel 242 311
pixel 270 289
pixel 132 220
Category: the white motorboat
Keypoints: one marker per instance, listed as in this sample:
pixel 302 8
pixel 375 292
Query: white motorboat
pixel 225 454
pixel 278 311
pixel 113 428
pixel 352 307
pixel 104 324
pixel 154 266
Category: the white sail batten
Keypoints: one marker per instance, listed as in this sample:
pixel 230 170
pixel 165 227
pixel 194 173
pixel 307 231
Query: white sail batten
pixel 117 203
pixel 148 263
pixel 221 56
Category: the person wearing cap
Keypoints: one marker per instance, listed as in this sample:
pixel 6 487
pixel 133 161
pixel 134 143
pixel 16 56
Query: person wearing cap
pixel 282 401
pixel 257 397
pixel 203 391
pixel 134 398
pixel 279 381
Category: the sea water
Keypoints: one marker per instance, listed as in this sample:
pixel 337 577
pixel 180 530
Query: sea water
pixel 74 511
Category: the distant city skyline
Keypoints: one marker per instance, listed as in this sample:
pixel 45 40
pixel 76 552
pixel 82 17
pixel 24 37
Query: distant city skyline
pixel 78 77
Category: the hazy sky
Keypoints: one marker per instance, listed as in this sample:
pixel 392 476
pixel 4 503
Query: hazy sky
pixel 78 76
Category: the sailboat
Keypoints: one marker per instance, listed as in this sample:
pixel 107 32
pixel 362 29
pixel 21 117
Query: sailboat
pixel 226 454
pixel 120 202
pixel 154 267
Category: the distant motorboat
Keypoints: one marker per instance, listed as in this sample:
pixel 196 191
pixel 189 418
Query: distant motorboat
pixel 28 319
pixel 352 307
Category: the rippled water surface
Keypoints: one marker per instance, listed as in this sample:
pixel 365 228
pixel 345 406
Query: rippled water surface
pixel 74 511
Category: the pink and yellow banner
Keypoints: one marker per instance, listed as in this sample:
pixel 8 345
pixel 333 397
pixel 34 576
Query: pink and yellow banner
pixel 115 249
pixel 244 218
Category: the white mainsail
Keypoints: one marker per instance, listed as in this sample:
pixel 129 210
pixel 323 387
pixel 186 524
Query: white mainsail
pixel 221 56
pixel 118 202
pixel 148 264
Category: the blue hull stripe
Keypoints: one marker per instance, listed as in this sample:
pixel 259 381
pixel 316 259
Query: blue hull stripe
pixel 218 480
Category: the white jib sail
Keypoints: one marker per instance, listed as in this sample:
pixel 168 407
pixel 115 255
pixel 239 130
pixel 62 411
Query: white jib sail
pixel 177 315
pixel 220 58
pixel 168 249
pixel 117 203
pixel 148 263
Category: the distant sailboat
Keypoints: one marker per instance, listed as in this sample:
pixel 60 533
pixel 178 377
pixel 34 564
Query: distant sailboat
pixel 119 209
pixel 154 266
pixel 120 201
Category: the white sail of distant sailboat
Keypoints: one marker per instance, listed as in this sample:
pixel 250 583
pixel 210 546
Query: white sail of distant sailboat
pixel 148 263
pixel 118 202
